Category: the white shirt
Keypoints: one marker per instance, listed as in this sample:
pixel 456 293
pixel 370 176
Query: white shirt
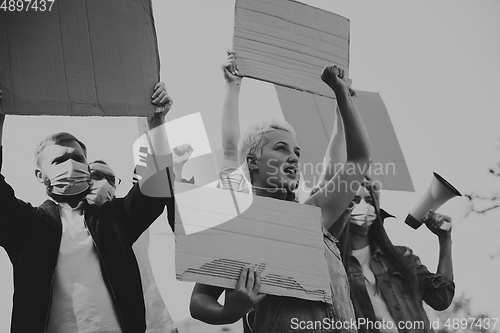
pixel 81 302
pixel 158 319
pixel 378 302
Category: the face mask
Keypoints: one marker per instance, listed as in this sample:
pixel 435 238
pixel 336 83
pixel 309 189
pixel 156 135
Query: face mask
pixel 68 178
pixel 100 192
pixel 362 217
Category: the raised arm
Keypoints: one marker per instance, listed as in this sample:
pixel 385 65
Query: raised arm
pixel 146 201
pixel 337 194
pixel 159 153
pixel 17 215
pixel 237 303
pixel 445 265
pixel 180 155
pixel 437 289
pixel 230 122
pixel 335 155
pixel 158 139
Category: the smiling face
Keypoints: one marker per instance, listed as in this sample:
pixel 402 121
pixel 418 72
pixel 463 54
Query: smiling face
pixel 278 163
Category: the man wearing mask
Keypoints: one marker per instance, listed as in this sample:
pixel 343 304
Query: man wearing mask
pixel 74 268
pixel 103 188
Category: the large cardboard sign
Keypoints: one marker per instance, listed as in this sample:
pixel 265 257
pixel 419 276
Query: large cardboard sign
pixel 282 240
pixel 313 117
pixel 80 58
pixel 289 43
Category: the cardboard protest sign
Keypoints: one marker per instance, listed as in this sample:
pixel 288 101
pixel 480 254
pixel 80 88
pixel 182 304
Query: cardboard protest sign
pixel 313 117
pixel 282 240
pixel 79 58
pixel 289 43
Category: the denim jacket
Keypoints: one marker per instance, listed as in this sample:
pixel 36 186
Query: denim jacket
pixel 404 307
pixel 279 314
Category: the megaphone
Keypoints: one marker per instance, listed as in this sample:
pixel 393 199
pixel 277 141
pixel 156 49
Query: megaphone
pixel 437 194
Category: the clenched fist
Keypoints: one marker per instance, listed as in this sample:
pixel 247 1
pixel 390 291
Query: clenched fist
pixel 333 76
pixel 182 153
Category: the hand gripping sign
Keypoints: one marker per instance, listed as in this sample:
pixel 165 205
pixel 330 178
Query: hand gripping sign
pixel 156 181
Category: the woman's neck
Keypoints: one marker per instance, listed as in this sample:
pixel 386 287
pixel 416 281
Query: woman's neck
pixel 258 182
pixel 273 192
pixel 359 242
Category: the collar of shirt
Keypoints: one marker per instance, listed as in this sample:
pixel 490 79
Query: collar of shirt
pixel 65 206
pixel 377 251
pixel 273 192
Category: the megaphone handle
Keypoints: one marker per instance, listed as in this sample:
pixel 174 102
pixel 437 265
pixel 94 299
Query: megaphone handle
pixel 445 226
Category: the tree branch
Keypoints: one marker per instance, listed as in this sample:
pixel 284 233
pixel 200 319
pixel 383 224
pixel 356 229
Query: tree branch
pixel 474 198
pixel 482 211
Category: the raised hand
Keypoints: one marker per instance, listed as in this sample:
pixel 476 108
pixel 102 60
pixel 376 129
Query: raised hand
pixel 333 76
pixel 434 222
pixel 161 99
pixel 181 154
pixel 158 136
pixel 230 68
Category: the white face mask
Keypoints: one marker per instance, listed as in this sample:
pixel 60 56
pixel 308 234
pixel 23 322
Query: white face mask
pixel 362 217
pixel 100 192
pixel 363 212
pixel 68 178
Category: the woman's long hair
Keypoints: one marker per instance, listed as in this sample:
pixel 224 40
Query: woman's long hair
pixel 378 237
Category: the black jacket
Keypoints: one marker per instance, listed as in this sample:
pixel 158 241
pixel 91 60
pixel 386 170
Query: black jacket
pixel 32 235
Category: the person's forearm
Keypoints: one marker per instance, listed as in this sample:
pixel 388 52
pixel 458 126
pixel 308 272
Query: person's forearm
pixel 334 197
pixel 445 265
pixel 335 155
pixel 230 122
pixel 358 146
pixel 157 136
pixel 205 308
pixel 177 173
